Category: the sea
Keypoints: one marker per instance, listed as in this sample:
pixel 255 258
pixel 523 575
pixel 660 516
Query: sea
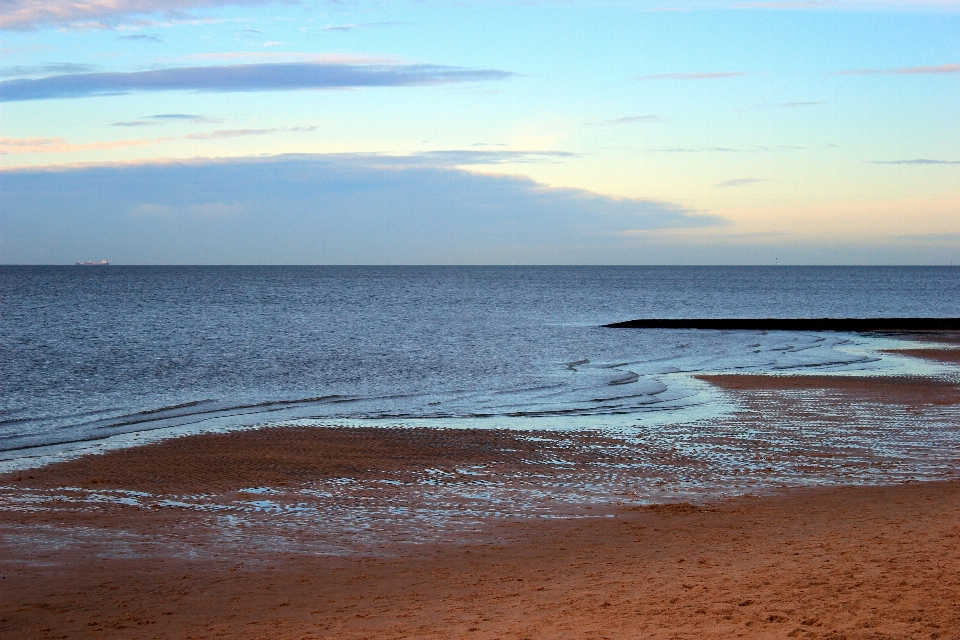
pixel 109 356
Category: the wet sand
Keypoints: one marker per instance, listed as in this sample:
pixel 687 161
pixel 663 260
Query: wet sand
pixel 903 390
pixel 278 457
pixel 827 563
pixel 202 537
pixel 946 356
pixel 943 337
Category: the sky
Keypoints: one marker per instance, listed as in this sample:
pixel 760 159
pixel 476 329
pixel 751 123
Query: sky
pixel 480 132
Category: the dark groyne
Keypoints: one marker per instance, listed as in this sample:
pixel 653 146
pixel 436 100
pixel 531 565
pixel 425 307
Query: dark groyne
pixel 794 324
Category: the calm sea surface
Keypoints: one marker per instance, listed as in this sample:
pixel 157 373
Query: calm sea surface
pixel 93 354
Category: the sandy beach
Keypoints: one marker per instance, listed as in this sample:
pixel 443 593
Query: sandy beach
pixel 492 319
pixel 829 563
pixel 244 535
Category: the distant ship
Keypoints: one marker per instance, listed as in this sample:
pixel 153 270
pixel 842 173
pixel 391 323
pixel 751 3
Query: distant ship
pixel 102 263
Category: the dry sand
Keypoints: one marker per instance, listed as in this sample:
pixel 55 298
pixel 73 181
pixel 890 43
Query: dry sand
pixel 847 562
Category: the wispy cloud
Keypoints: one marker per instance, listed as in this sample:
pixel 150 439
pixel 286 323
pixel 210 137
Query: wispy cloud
pixel 33 48
pixel 632 120
pixel 740 182
pixel 846 5
pixel 139 23
pixel 791 105
pixel 62 68
pixel 695 76
pixel 916 161
pixel 289 56
pixel 17 146
pixel 22 146
pixel 699 150
pixel 362 25
pixel 244 77
pixel 152 121
pixel 938 69
pixel 852 5
pixel 144 37
pixel 189 117
pixel 26 15
pixel 135 123
pixel 778 148
pixel 811 4
pixel 223 134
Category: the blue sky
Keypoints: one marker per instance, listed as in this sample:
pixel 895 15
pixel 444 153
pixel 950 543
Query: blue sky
pixel 480 132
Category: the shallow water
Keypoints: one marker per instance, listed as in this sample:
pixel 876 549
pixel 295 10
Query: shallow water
pixel 108 356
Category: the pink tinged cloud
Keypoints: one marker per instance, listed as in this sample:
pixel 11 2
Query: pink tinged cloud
pixel 18 146
pixel 26 15
pixel 22 146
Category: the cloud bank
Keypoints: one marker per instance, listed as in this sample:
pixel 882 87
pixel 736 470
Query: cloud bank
pixel 316 209
pixel 242 77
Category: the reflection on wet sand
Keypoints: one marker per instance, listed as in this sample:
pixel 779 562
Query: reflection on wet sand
pixel 334 489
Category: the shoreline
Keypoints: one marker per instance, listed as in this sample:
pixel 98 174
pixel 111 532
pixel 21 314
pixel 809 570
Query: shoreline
pixel 313 532
pixel 38 454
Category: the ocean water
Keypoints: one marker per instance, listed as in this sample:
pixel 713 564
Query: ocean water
pixel 100 355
